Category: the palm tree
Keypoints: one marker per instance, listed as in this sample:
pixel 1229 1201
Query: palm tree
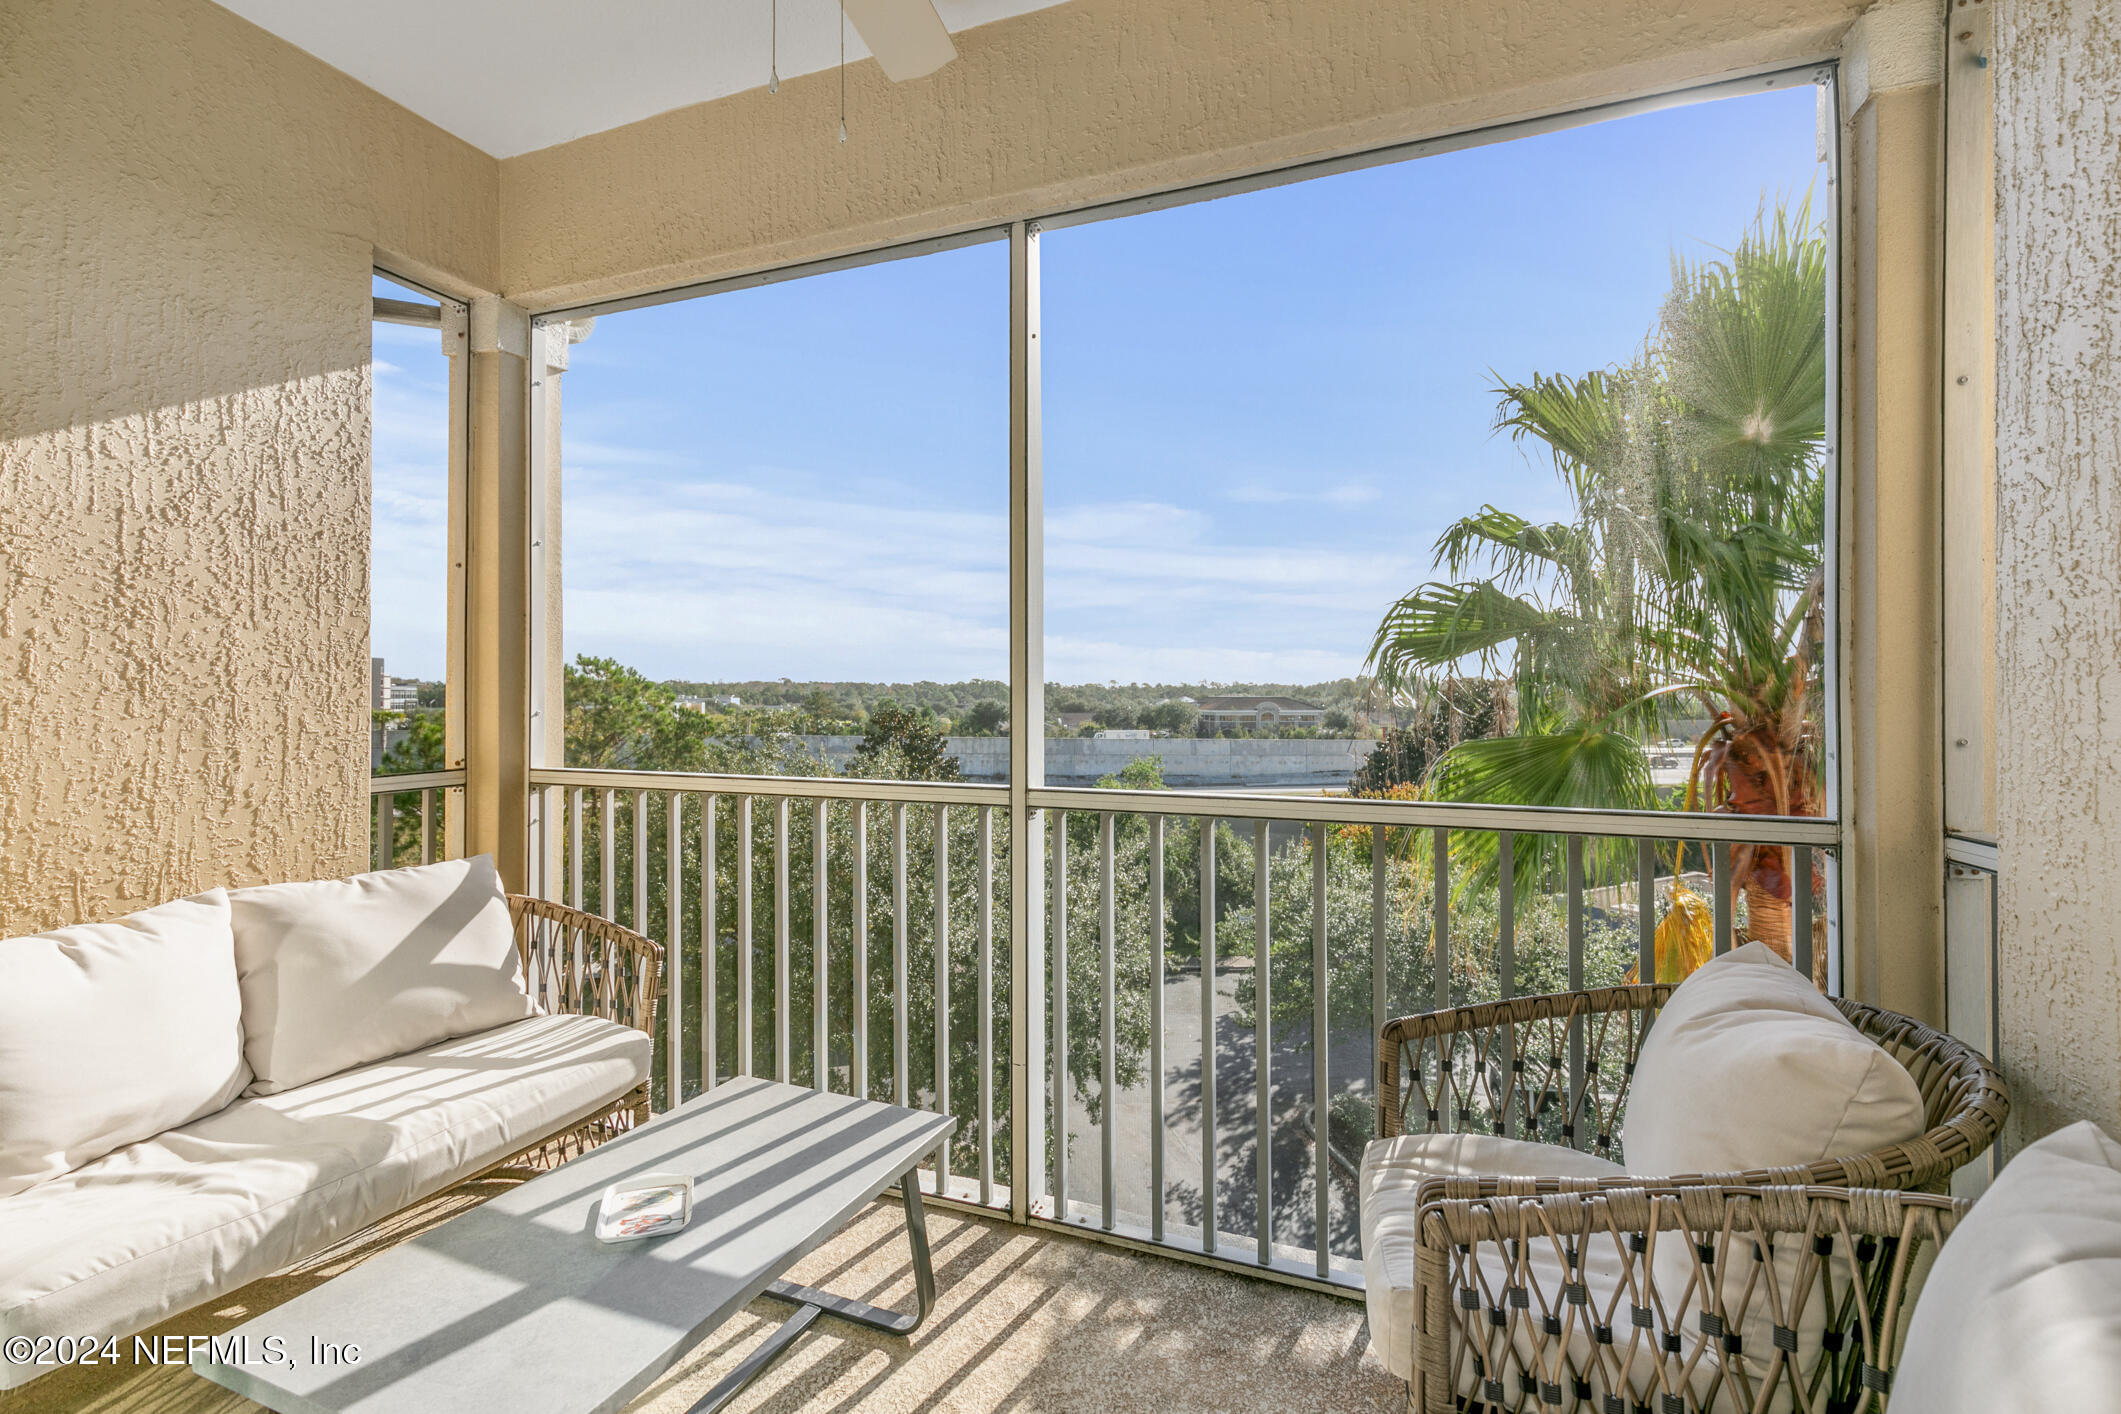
pixel 1688 578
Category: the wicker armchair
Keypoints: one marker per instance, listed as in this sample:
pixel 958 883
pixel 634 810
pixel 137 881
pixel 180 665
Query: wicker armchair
pixel 1557 1068
pixel 1527 1335
pixel 579 963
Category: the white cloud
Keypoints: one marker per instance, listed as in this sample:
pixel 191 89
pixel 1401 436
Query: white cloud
pixel 720 579
pixel 1346 493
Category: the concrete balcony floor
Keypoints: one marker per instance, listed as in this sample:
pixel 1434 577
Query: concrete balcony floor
pixel 1024 1321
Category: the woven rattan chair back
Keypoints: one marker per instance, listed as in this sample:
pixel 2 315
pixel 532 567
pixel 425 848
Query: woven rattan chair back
pixel 1558 1068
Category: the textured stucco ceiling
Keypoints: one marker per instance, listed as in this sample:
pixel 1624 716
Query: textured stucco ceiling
pixel 512 76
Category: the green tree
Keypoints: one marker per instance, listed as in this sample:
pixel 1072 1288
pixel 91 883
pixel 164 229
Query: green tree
pixel 983 718
pixel 906 744
pixel 1174 717
pixel 420 749
pixel 1451 711
pixel 1142 773
pixel 1686 579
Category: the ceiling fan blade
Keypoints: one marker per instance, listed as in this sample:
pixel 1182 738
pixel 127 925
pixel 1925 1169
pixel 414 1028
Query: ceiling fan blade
pixel 906 36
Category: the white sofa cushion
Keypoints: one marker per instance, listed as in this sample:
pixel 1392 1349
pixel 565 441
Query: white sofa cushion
pixel 1745 1027
pixel 341 972
pixel 1392 1171
pixel 2023 1307
pixel 111 1032
pixel 197 1212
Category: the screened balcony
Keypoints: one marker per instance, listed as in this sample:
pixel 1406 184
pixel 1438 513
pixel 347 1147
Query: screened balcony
pixel 295 297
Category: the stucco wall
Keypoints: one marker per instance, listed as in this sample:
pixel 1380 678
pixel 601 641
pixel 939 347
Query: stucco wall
pixel 189 210
pixel 2058 475
pixel 1083 102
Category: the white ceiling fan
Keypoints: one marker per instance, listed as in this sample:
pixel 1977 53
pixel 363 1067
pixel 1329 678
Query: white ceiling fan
pixel 907 37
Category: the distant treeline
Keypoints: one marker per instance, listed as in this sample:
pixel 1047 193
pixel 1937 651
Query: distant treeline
pixel 949 699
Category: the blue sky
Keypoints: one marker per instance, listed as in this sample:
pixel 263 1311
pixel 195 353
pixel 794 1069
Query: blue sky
pixel 1259 413
pixel 409 541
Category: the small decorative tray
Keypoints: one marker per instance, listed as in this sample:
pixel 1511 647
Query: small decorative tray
pixel 646 1205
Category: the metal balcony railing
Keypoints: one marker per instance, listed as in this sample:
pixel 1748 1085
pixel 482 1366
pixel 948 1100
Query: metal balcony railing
pixel 853 934
pixel 401 834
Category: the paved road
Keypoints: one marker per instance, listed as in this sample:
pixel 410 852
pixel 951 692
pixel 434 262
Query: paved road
pixel 1236 1120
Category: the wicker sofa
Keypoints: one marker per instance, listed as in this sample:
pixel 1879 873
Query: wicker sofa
pixel 1560 1070
pixel 285 1164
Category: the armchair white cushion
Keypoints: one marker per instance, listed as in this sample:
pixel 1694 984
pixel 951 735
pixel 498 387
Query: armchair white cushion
pixel 1392 1171
pixel 1749 1067
pixel 2023 1307
pixel 112 1032
pixel 341 972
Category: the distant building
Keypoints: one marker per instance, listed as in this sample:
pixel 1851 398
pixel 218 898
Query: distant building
pixel 389 694
pixel 691 704
pixel 1259 713
pixel 1074 721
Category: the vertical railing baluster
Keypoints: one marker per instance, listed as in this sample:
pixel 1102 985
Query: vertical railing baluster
pixel 1720 854
pixel 985 1002
pixel 1506 967
pixel 1059 890
pixel 574 848
pixel 641 924
pixel 1156 1028
pixel 1801 909
pixel 859 1001
pixel 607 855
pixel 710 945
pixel 1321 1067
pixel 1440 915
pixel 783 1069
pixel 1380 977
pixel 386 810
pixel 942 987
pixel 1440 952
pixel 1108 1015
pixel 1646 911
pixel 1207 1035
pixel 820 923
pixel 427 826
pixel 674 952
pixel 746 1039
pixel 900 1087
pixel 1263 1036
pixel 1571 1128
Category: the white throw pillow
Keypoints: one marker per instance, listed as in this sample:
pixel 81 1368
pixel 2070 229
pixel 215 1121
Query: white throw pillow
pixel 1748 1067
pixel 2023 1307
pixel 342 972
pixel 111 1033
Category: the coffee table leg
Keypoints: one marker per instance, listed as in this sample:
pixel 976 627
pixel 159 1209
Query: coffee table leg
pixel 811 1302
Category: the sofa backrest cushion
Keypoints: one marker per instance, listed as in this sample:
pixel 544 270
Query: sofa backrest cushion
pixel 1749 1067
pixel 111 1033
pixel 342 972
pixel 2023 1307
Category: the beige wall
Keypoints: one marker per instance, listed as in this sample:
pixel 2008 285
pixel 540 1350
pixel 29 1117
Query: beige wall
pixel 1083 102
pixel 2058 600
pixel 190 212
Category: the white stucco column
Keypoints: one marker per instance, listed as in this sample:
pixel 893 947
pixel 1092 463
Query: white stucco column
pixel 1893 861
pixel 498 591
